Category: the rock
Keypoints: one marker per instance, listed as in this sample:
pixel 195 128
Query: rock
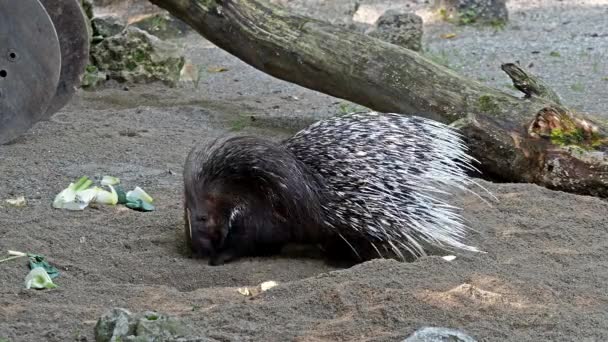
pixel 121 325
pixel 359 27
pixel 113 324
pixel 135 56
pixel 87 7
pixel 399 28
pixel 438 334
pixel 464 12
pixel 162 25
pixel 93 77
pixel 334 12
pixel 107 26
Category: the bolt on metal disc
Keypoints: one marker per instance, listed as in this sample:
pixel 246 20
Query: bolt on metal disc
pixel 30 64
pixel 71 25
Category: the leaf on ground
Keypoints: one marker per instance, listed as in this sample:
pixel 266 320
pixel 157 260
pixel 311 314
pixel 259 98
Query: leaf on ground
pixel 448 35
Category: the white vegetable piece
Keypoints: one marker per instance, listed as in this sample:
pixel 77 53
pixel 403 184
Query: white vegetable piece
pixel 139 193
pixel 39 279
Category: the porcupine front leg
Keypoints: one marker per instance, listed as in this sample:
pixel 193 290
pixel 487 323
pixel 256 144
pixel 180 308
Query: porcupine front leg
pixel 253 231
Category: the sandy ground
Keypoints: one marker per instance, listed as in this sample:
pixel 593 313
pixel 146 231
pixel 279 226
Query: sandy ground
pixel 543 277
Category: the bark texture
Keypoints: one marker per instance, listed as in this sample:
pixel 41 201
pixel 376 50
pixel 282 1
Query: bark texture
pixel 534 139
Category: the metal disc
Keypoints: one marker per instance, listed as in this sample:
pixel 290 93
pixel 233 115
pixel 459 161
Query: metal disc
pixel 70 22
pixel 30 63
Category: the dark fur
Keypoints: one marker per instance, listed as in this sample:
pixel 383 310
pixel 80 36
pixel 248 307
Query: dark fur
pixel 274 199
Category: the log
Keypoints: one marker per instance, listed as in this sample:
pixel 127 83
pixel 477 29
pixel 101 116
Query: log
pixel 532 139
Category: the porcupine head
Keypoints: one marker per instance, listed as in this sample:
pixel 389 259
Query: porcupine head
pixel 245 196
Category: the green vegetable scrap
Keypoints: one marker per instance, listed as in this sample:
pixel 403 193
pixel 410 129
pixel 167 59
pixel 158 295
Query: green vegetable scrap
pixel 13 255
pixel 122 195
pixel 139 200
pixel 38 278
pixel 41 273
pixel 140 205
pixel 39 261
pixel 79 195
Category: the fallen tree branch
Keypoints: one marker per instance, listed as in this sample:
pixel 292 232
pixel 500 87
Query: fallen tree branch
pixel 529 84
pixel 533 139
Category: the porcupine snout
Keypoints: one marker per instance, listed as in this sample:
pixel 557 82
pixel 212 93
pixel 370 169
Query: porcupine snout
pixel 207 227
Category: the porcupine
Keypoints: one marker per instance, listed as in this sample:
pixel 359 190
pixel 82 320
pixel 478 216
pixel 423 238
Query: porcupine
pixel 373 184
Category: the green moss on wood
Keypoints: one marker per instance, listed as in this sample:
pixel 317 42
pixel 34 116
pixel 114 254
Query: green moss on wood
pixel 488 104
pixel 572 136
pixel 563 138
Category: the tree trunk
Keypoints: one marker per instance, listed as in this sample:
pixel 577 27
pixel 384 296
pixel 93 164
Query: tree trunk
pixel 533 139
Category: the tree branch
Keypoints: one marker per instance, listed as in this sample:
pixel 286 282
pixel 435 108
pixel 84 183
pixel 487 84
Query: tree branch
pixel 529 84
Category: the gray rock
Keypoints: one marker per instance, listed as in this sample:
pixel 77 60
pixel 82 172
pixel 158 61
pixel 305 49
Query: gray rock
pixel 87 7
pixel 93 77
pixel 121 325
pixel 399 28
pixel 438 334
pixel 107 26
pixel 359 27
pixel 473 11
pixel 113 324
pixel 162 25
pixel 334 12
pixel 135 56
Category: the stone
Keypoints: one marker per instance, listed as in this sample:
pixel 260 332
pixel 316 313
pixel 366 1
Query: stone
pixel 334 12
pixel 113 324
pixel 87 7
pixel 359 27
pixel 465 12
pixel 93 77
pixel 399 28
pixel 439 334
pixel 162 25
pixel 107 26
pixel 119 324
pixel 135 56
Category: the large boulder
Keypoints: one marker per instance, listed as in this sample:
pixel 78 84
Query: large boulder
pixel 334 12
pixel 107 26
pixel 162 25
pixel 399 28
pixel 135 56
